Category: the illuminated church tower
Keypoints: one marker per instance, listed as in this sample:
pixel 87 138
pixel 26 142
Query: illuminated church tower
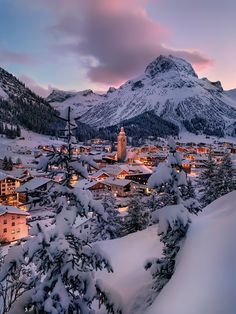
pixel 121 145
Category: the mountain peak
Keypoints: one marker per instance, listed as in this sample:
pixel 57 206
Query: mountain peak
pixel 169 63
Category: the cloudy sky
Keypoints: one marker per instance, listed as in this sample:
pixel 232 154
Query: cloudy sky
pixel 80 44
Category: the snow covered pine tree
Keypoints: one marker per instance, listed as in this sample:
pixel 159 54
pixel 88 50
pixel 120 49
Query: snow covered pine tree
pixel 173 218
pixel 226 176
pixel 63 262
pixel 207 182
pixel 110 226
pixel 137 217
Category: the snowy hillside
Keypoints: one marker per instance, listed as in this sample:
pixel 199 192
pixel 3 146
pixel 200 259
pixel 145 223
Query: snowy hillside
pixel 203 281
pixel 172 89
pixel 231 93
pixel 59 95
pixel 128 255
pixel 81 101
pixel 19 105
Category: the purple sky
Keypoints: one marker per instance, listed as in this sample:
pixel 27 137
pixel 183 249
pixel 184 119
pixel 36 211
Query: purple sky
pixel 78 44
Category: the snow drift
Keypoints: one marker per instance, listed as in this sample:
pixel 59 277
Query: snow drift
pixel 204 281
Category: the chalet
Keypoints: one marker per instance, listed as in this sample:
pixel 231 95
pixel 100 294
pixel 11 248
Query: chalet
pixel 84 226
pixel 35 187
pixel 203 150
pixel 116 171
pixel 121 187
pixel 8 186
pixel 200 162
pixel 100 175
pixel 97 188
pixel 13 224
pixel 140 178
pixel 186 166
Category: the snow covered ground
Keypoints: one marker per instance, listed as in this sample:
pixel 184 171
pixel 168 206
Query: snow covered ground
pixel 186 137
pixel 204 280
pixel 128 255
pixel 11 147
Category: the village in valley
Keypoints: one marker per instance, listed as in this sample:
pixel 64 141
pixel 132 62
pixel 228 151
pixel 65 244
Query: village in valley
pixel 118 170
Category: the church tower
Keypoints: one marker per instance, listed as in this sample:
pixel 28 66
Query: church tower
pixel 121 145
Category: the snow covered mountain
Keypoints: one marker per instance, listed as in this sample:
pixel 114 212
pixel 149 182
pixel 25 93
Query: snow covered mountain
pixel 231 93
pixel 19 105
pixel 80 101
pixel 59 95
pixel 171 88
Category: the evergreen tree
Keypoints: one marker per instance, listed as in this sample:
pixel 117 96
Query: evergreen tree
pixel 63 262
pixel 5 163
pixel 18 130
pixel 173 218
pixel 18 161
pixel 225 176
pixel 207 182
pixel 137 217
pixel 10 164
pixel 169 178
pixel 1 128
pixel 172 229
pixel 189 198
pixel 110 226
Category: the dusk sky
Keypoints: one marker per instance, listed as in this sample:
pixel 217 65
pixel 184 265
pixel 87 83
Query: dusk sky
pixel 80 44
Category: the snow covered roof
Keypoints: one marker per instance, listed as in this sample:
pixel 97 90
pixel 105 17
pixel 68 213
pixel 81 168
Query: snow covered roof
pixel 136 169
pixel 115 170
pixel 86 184
pixel 12 210
pixel 33 184
pixel 4 175
pixel 99 173
pixel 119 182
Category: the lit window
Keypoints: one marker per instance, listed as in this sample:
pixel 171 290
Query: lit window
pixel 13 232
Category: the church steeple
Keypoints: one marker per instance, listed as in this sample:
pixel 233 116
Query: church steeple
pixel 121 145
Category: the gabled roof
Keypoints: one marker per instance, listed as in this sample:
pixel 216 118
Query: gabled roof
pixel 12 210
pixel 99 173
pixel 118 182
pixel 4 175
pixel 86 184
pixel 33 184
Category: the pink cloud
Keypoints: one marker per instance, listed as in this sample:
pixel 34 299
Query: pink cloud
pixel 7 56
pixel 118 34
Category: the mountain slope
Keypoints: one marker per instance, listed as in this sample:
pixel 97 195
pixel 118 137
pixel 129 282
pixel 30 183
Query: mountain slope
pixel 141 127
pixel 171 88
pixel 80 101
pixel 59 95
pixel 19 105
pixel 231 93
